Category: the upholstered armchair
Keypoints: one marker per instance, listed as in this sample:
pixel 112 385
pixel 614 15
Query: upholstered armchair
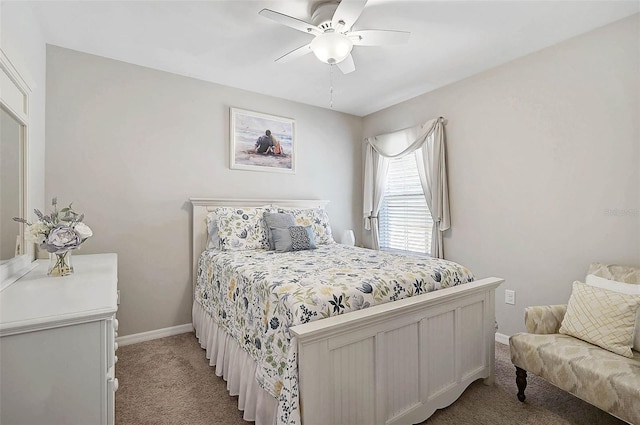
pixel 575 358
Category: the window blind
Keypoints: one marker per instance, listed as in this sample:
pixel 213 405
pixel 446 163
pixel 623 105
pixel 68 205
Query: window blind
pixel 405 223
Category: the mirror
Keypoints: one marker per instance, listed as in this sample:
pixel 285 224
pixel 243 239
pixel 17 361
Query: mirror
pixel 11 235
pixel 16 256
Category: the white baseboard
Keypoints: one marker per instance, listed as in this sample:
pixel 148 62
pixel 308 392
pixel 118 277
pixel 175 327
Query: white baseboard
pixel 155 334
pixel 502 338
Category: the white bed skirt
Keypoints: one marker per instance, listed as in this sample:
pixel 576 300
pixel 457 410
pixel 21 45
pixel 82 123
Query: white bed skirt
pixel 236 367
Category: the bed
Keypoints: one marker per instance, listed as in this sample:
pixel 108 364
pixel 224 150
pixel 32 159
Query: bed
pixel 399 336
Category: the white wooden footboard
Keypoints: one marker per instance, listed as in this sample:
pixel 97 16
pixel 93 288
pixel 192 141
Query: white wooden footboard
pixel 399 362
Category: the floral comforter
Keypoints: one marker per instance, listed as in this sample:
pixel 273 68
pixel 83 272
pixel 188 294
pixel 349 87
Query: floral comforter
pixel 257 295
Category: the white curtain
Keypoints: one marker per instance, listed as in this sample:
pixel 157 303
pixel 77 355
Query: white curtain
pixel 427 141
pixel 375 172
pixel 432 169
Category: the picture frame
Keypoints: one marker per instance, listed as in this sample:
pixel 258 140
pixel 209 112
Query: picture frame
pixel 261 142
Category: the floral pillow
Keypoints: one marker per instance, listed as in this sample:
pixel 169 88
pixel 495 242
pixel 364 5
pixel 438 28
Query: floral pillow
pixel 317 218
pixel 241 229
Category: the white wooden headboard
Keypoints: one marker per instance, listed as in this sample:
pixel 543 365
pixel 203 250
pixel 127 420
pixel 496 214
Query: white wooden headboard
pixel 203 206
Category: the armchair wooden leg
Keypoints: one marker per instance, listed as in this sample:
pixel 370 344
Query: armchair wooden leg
pixel 521 382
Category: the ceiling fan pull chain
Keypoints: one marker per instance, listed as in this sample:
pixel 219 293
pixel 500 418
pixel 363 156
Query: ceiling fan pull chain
pixel 331 86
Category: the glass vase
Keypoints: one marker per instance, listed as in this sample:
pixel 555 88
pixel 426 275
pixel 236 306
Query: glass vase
pixel 60 264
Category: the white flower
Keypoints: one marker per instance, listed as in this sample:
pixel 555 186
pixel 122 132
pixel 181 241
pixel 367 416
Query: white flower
pixel 83 230
pixel 37 232
pixel 62 239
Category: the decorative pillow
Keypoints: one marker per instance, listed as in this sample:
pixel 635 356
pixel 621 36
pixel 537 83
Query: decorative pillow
pixel 213 240
pixel 615 272
pixel 601 317
pixel 241 229
pixel 294 238
pixel 317 218
pixel 280 220
pixel 623 288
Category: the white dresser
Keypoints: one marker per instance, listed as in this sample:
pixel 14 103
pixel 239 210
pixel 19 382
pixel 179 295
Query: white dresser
pixel 57 345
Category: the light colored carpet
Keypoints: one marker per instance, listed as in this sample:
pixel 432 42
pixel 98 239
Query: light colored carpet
pixel 169 381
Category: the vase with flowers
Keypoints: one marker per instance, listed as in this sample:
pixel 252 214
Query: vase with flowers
pixel 59 233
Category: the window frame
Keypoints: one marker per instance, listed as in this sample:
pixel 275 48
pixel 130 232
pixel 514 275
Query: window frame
pixel 393 189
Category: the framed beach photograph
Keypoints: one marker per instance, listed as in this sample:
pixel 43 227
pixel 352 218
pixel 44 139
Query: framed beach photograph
pixel 261 142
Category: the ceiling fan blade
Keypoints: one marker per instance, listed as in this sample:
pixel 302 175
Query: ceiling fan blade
pixel 290 21
pixel 378 37
pixel 347 14
pixel 347 65
pixel 295 54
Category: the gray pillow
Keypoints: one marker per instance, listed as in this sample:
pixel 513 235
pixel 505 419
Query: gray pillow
pixel 213 241
pixel 279 220
pixel 294 238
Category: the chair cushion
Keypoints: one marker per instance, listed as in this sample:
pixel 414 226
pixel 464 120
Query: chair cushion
pixel 625 288
pixel 600 377
pixel 602 317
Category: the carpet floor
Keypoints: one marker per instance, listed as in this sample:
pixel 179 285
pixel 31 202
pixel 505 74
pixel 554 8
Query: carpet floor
pixel 169 381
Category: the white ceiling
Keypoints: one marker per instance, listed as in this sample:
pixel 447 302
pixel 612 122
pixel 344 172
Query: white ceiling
pixel 227 42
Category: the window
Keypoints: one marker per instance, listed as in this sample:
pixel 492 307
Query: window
pixel 405 222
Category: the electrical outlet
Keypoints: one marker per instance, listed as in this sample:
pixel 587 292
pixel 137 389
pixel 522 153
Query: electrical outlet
pixel 509 296
pixel 118 300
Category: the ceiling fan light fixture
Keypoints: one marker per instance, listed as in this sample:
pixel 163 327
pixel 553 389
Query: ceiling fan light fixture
pixel 331 47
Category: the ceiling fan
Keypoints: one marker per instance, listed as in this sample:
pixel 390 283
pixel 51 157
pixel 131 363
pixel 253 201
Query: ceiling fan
pixel 332 23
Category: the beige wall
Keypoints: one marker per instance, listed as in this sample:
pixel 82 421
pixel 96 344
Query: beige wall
pixel 129 146
pixel 543 164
